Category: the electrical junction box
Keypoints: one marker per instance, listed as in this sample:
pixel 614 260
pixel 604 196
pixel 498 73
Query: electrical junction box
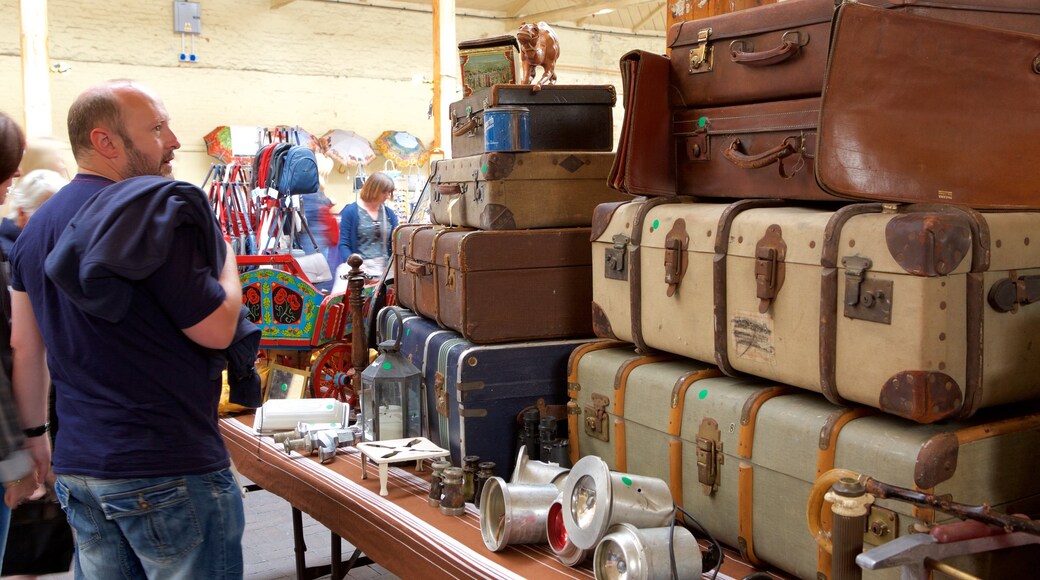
pixel 186 18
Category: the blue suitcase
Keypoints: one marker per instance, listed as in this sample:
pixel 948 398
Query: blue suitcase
pixel 474 393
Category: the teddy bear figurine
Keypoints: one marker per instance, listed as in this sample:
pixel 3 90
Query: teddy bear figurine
pixel 538 47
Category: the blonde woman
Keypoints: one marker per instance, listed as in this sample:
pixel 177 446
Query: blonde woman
pixel 25 198
pixel 366 227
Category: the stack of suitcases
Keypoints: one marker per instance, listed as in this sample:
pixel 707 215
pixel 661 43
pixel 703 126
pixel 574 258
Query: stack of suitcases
pixel 829 265
pixel 498 287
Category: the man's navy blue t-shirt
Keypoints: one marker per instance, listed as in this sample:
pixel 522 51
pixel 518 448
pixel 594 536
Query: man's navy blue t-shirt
pixel 135 398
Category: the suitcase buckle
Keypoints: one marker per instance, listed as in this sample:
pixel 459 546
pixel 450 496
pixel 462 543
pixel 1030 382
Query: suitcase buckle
pixel 770 253
pixel 615 267
pixel 596 418
pixel 675 260
pixel 701 56
pixel 709 455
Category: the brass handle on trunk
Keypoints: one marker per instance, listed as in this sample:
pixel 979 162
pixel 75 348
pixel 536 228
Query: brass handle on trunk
pixel 740 50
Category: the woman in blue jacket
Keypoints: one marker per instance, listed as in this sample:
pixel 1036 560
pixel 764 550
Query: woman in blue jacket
pixel 366 227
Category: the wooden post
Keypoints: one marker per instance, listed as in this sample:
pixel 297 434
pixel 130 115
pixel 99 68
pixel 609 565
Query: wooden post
pixel 358 336
pixel 36 89
pixel 445 65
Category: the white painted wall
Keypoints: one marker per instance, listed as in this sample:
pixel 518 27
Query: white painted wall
pixel 317 64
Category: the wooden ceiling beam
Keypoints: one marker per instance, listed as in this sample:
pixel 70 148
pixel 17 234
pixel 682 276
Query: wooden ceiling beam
pixel 653 12
pixel 575 12
pixel 516 8
pixel 275 4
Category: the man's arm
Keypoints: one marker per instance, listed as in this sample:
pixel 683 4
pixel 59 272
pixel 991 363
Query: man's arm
pixel 217 329
pixel 31 380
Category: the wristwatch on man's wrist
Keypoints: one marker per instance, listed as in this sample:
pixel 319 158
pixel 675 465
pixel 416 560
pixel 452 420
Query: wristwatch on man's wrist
pixel 35 431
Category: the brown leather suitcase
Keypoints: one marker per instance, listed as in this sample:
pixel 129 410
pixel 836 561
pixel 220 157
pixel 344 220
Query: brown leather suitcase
pixel 760 150
pixel 497 286
pixel 779 51
pixel 561 118
pixel 938 125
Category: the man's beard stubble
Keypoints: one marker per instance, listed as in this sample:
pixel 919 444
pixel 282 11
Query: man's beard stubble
pixel 138 164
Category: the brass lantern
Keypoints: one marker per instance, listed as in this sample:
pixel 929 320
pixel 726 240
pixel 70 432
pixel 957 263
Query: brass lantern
pixel 391 398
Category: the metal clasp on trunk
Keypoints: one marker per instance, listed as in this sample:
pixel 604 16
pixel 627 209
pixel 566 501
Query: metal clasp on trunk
pixel 596 418
pixel 709 455
pixel 615 264
pixel 701 55
pixel 675 243
pixel 866 299
pixel 770 253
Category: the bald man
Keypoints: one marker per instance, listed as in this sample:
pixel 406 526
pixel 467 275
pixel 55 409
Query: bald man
pixel 141 467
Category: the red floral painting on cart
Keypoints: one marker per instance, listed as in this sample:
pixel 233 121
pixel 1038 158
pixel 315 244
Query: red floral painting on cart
pixel 251 299
pixel 287 304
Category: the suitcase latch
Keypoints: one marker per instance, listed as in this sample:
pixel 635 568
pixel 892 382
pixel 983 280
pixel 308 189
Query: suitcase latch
pixel 614 266
pixel 440 393
pixel 675 259
pixel 866 299
pixel 596 418
pixel 1007 294
pixel 709 455
pixel 701 55
pixel 770 253
pixel 882 526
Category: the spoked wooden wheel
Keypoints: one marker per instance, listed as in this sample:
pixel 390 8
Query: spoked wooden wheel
pixel 331 373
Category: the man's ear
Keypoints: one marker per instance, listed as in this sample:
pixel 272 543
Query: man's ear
pixel 105 143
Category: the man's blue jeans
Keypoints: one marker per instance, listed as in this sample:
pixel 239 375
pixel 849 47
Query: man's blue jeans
pixel 157 528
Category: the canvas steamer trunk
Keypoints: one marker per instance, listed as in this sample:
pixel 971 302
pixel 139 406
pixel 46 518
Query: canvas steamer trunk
pixel 497 286
pixel 474 393
pixel 922 311
pixel 517 191
pixel 562 117
pixel 742 455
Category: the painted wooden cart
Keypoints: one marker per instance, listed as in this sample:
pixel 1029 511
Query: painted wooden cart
pixel 301 326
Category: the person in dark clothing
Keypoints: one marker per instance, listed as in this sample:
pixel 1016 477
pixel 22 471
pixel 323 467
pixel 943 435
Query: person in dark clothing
pixel 137 390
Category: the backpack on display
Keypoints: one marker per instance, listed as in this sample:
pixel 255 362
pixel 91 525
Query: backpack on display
pixel 299 172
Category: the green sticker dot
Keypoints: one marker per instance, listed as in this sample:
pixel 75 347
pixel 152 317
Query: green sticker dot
pixel 285 387
pixel 387 366
pixel 626 480
pixel 407 331
pixel 703 394
pixel 702 122
pixel 328 407
pixel 483 168
pixel 657 224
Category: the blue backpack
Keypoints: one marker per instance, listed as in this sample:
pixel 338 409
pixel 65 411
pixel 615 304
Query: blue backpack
pixel 298 172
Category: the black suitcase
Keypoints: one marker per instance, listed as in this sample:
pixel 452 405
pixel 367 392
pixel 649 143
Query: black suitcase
pixel 562 117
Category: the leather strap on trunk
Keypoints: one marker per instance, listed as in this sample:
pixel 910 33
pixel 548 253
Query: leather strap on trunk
pixel 975 302
pixel 675 421
pixel 573 384
pixel 825 462
pixel 635 270
pixel 745 498
pixel 719 276
pixel 436 277
pixel 829 297
pixel 620 386
pixel 749 414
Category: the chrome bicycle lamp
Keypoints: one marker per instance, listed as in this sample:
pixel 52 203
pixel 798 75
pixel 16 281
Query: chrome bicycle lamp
pixel 628 553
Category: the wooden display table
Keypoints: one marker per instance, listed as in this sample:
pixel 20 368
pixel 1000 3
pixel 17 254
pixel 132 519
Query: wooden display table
pixel 400 531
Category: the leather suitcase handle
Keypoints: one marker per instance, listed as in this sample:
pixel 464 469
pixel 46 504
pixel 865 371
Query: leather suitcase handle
pixel 787 49
pixel 760 160
pixel 450 189
pixel 418 268
pixel 1007 294
pixel 464 127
